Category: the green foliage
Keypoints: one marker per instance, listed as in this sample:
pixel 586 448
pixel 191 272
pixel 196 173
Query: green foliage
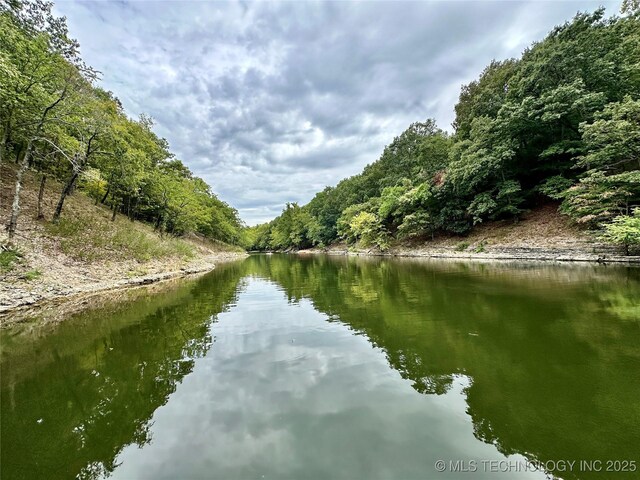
pixel 462 246
pixel 482 206
pixel 483 97
pixel 415 224
pixel 93 184
pixel 611 184
pixel 560 123
pixel 503 200
pixel 612 140
pixel 9 257
pixel 555 187
pixel 294 228
pixel 624 230
pixel 86 239
pixel 630 6
pixel 478 162
pixel 393 202
pixel 599 197
pixel 346 220
pixel 32 275
pixel 366 229
pixel 480 248
pixel 56 119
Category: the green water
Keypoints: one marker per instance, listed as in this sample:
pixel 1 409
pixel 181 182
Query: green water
pixel 315 367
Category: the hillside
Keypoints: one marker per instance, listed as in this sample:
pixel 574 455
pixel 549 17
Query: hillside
pixel 560 124
pixel 541 234
pixel 86 251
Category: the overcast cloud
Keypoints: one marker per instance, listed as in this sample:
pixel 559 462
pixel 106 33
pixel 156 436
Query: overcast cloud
pixel 270 102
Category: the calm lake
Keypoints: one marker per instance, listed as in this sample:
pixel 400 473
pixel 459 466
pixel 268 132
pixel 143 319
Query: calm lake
pixel 290 367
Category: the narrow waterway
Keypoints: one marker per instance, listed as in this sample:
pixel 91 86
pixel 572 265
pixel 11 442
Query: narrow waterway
pixel 317 367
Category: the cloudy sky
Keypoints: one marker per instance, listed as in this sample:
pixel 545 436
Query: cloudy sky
pixel 270 102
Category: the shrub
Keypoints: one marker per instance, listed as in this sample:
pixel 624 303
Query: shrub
pixel 32 275
pixel 367 229
pixel 8 258
pixel 624 230
pixel 462 246
pixel 555 187
pixel 415 224
pixel 480 248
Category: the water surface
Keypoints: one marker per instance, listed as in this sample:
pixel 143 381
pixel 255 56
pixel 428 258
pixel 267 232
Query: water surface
pixel 317 367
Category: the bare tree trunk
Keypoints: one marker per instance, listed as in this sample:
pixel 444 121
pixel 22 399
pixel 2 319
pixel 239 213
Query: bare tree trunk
pixel 15 207
pixel 18 152
pixel 5 141
pixel 115 211
pixel 65 193
pixel 158 220
pixel 43 180
pixel 104 197
pixel 132 212
pixel 106 194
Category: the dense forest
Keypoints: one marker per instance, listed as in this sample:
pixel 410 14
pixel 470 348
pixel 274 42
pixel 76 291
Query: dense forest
pixel 56 120
pixel 560 124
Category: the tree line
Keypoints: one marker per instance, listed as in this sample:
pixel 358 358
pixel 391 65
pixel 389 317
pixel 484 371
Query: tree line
pixel 56 120
pixel 560 124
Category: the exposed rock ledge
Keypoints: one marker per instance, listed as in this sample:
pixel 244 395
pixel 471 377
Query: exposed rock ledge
pixel 601 254
pixel 16 298
pixel 540 235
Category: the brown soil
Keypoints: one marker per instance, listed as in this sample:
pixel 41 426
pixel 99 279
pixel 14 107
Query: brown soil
pixel 543 227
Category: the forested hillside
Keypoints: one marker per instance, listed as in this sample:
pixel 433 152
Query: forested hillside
pixel 560 124
pixel 56 120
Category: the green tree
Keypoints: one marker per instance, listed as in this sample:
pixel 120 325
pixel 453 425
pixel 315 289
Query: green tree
pixel 624 230
pixel 558 124
pixel 630 6
pixel 367 229
pixel 55 119
pixel 611 184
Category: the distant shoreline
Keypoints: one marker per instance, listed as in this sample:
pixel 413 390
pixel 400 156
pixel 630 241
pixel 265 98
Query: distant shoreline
pixel 517 253
pixel 540 235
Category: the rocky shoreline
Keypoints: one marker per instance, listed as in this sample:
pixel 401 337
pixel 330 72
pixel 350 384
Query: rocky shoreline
pixel 540 235
pixel 23 299
pixel 19 302
pixel 600 254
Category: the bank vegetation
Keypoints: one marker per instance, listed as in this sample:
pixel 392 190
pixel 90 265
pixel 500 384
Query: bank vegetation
pixel 559 126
